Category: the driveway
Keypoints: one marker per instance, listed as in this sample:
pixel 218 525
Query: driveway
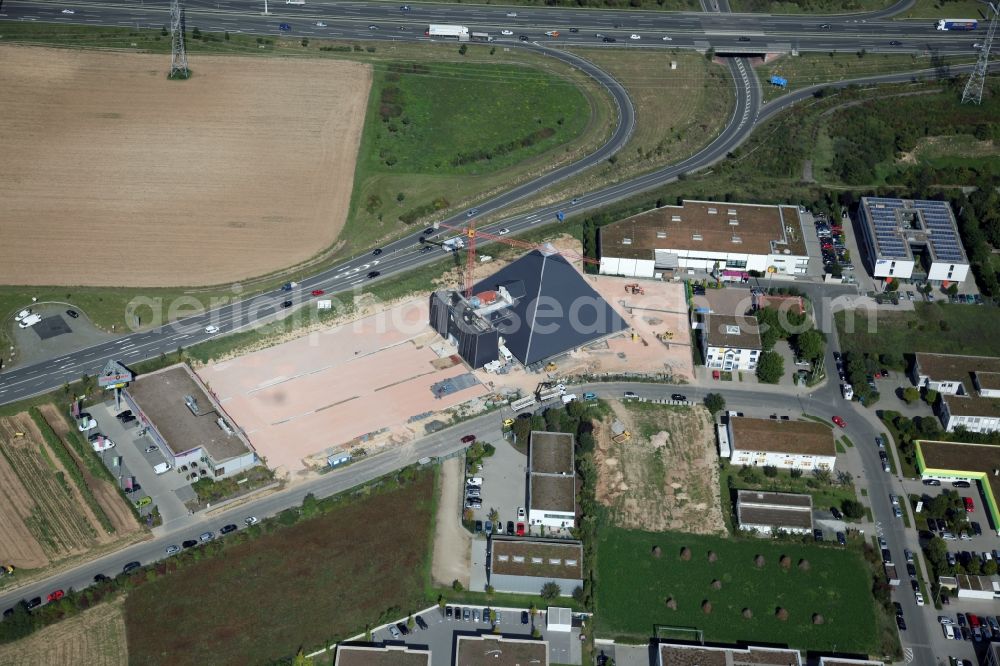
pixel 56 335
pixel 504 483
pixel 451 539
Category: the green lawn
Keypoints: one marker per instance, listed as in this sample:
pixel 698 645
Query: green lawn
pixel 950 9
pixel 824 494
pixel 633 586
pixel 260 600
pixel 944 328
pixel 808 6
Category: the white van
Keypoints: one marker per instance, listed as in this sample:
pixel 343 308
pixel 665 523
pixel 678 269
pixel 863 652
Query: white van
pixel 162 468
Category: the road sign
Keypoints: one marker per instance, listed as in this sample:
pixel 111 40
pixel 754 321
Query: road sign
pixel 114 375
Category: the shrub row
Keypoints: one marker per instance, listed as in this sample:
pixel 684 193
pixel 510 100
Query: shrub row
pixel 414 214
pixel 69 462
pixel 503 149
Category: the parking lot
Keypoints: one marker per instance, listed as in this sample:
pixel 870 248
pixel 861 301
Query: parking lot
pixel 439 636
pixel 504 485
pixel 168 491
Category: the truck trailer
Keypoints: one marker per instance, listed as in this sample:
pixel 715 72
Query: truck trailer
pixel 957 24
pixel 445 30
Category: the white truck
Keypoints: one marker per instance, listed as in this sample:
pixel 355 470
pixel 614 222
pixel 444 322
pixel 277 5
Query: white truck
pixel 162 468
pixel 460 32
pixel 847 390
pixel 453 244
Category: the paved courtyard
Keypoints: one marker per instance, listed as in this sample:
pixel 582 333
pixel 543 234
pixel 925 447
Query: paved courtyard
pixel 361 384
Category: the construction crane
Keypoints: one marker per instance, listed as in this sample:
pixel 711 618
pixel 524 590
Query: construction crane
pixel 471 234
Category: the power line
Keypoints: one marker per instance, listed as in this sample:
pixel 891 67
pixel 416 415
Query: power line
pixel 974 87
pixel 178 55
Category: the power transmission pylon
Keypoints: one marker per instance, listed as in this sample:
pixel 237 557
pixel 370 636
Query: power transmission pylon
pixel 974 87
pixel 178 56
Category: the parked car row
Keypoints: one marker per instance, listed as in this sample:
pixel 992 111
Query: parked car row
pixel 970 627
pixel 470 614
pixel 832 243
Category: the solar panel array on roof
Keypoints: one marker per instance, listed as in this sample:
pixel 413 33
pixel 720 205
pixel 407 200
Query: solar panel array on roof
pixel 883 217
pixel 943 237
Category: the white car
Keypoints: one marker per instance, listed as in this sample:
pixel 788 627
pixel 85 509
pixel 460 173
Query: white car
pixel 22 314
pixel 68 11
pixel 474 481
pixel 503 232
pixel 511 14
pixel 919 598
pixel 251 520
pixel 102 444
pixel 507 33
pixel 86 424
pixel 944 619
pixel 320 24
pixel 667 39
pixel 634 36
pixel 211 329
pixel 520 513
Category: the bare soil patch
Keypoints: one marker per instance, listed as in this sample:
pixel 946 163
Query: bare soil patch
pixel 107 495
pixel 451 540
pixel 666 476
pixel 244 169
pixel 95 637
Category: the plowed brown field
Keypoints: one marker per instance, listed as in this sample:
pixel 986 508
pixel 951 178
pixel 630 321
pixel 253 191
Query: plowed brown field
pixel 95 638
pixel 113 175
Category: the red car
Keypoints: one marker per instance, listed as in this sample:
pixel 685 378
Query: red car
pixel 839 421
pixel 468 439
pixel 318 292
pixel 520 529
pixel 970 506
pixel 56 596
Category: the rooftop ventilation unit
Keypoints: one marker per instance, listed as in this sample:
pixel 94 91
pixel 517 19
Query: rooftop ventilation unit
pixel 734 222
pixel 737 239
pixel 192 404
pixel 675 218
pixel 713 211
pixel 696 237
pixel 661 234
pixel 626 241
pixel 732 329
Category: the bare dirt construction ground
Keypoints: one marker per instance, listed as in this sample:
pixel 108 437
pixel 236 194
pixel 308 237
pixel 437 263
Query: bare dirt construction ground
pixel 95 637
pixel 244 169
pixel 451 540
pixel 107 496
pixel 666 477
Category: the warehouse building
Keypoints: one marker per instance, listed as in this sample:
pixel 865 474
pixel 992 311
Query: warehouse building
pixel 524 565
pixel 733 239
pixel 551 480
pixel 190 427
pixel 534 309
pixel 969 388
pixel 983 588
pixel 768 513
pixel 681 654
pixel 903 239
pixel 388 655
pixel 804 445
pixel 495 650
pixel 730 343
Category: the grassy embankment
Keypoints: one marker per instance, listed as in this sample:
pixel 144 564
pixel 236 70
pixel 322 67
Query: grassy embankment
pixel 808 6
pixel 508 80
pixel 833 584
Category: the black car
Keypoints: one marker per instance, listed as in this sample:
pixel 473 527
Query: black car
pixel 523 38
pixel 136 487
pixel 429 230
pixel 609 40
pixel 915 585
pixel 574 30
pixel 680 397
pixel 420 622
pixel 899 608
pixel 960 484
pixel 101 578
pixel 486 613
pixel 286 304
pixel 373 274
pixel 226 529
pixel 33 603
pixel 901 623
pixel 131 566
pixel 73 313
pixel 425 249
pixel 911 570
pixel 977 529
pixel 403 629
pixel 817 534
pixel 284 27
pixel 932 482
pixel 825 26
pixel 837 515
pixel 510 527
pixel 895 43
pixel 841 538
pixel 966 633
pixel 448 612
pixel 479 526
pixel 190 543
pixel 377 251
pixel 524 617
pixel 744 39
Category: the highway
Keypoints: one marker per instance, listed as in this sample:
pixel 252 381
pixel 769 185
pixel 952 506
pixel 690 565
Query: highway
pixel 384 21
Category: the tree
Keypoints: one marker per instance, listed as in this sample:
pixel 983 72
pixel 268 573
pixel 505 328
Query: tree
pixel 952 289
pixel 930 396
pixel 852 509
pixel 811 344
pixel 302 660
pixel 494 515
pixel 462 49
pixel 715 403
pixel 578 595
pixel 911 394
pixel 770 367
pixel 770 471
pixel 457 585
pixel 550 591
pixel 990 568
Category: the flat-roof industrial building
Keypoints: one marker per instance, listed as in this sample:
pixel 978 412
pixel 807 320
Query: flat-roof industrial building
pixel 730 343
pixel 680 654
pixel 894 232
pixel 734 238
pixel 388 655
pixel 770 513
pixel 183 418
pixel 524 565
pixel 534 309
pixel 969 388
pixel 962 461
pixel 804 445
pixel 492 650
pixel 551 480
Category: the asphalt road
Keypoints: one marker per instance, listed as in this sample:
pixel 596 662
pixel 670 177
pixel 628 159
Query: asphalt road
pixel 381 21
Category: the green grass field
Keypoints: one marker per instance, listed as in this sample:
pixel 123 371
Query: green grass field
pixel 633 586
pixel 808 6
pixel 940 9
pixel 260 601
pixel 933 327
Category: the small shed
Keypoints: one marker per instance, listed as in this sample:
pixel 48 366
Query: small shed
pixel 559 619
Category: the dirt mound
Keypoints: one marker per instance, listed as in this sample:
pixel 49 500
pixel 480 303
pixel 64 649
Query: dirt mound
pixel 747 614
pixel 657 552
pixel 804 565
pixel 706 607
pixel 712 557
pixel 671 603
pixel 716 584
pixel 785 562
pixel 817 619
pixel 685 554
pixel 759 561
pixel 781 614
